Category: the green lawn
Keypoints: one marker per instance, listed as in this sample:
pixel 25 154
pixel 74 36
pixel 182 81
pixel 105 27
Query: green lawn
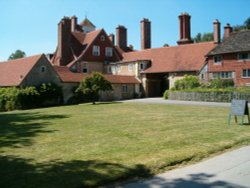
pixel 89 145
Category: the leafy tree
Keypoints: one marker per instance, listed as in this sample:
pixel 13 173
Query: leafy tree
pixel 17 54
pixel 204 37
pixel 91 86
pixel 247 23
pixel 244 26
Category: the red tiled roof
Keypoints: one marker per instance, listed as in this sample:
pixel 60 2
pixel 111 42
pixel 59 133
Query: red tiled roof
pixel 118 79
pixel 86 38
pixel 189 57
pixel 69 77
pixel 13 72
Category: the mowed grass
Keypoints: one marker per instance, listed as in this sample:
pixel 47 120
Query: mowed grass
pixel 90 145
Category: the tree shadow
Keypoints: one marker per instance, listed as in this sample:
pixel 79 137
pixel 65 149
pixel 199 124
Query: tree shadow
pixel 18 172
pixel 19 128
pixel 200 180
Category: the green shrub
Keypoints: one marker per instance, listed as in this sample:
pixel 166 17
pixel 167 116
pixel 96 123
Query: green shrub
pixel 50 94
pixel 188 82
pixel 221 83
pixel 12 98
pixel 28 97
pixel 165 95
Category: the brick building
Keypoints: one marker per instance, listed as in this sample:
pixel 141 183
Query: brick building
pixel 230 59
pixel 82 49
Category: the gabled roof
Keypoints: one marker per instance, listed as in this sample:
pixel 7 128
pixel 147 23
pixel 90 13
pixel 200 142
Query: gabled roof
pixel 67 76
pixel 188 57
pixel 236 42
pixel 87 23
pixel 84 40
pixel 13 72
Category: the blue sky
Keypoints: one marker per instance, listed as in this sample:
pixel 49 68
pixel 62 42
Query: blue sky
pixel 31 25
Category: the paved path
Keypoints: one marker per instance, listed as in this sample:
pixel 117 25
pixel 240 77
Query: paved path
pixel 162 101
pixel 228 170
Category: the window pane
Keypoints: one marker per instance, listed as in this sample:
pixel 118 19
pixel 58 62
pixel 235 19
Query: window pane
pixel 244 73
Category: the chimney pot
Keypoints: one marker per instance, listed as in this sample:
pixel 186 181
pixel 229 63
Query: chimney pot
pixel 73 23
pixel 121 37
pixel 185 29
pixel 145 34
pixel 216 31
pixel 227 30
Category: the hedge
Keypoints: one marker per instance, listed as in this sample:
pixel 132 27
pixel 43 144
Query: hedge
pixel 13 98
pixel 209 96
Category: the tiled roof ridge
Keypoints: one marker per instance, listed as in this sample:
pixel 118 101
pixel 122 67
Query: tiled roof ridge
pixel 171 47
pixel 23 58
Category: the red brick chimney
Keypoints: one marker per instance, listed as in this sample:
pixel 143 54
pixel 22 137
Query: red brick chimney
pixel 185 28
pixel 121 37
pixel 64 38
pixel 145 34
pixel 112 38
pixel 73 23
pixel 227 30
pixel 216 31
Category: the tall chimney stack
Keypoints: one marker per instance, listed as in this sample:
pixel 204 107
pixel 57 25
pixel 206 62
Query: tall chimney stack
pixel 216 31
pixel 64 37
pixel 185 29
pixel 227 30
pixel 73 23
pixel 121 37
pixel 145 34
pixel 112 38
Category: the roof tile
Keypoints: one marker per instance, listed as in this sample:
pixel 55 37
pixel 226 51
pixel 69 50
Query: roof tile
pixel 14 71
pixel 189 57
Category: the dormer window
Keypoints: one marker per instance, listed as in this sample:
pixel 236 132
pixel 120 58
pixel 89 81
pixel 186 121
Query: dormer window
pixel 96 50
pixel 243 56
pixel 102 38
pixel 218 59
pixel 109 51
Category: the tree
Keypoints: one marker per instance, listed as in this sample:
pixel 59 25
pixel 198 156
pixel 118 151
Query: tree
pixel 17 54
pixel 91 86
pixel 244 26
pixel 205 37
pixel 247 23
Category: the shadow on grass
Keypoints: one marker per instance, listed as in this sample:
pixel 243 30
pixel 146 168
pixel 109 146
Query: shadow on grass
pixel 20 128
pixel 17 172
pixel 199 180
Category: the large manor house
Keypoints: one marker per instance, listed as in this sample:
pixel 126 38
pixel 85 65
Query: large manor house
pixel 148 72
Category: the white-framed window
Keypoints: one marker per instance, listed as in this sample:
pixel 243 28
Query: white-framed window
pixel 130 67
pixel 243 56
pixel 118 68
pixel 124 88
pixel 217 59
pixel 43 69
pixel 222 75
pixel 246 73
pixel 102 37
pixel 109 51
pixel 96 50
pixel 113 69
